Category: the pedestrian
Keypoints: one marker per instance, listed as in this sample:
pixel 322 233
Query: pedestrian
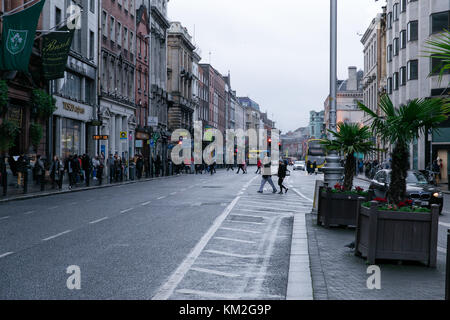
pixel 230 166
pixel 212 168
pixel 95 164
pixel 441 168
pixel 56 172
pixel 437 171
pixel 157 165
pixel 139 165
pixel 110 164
pixel 308 167
pixel 258 170
pixel 282 168
pixel 267 176
pixel 3 175
pixel 314 167
pixel 70 171
pixel 100 168
pixel 40 172
pixel 86 165
pixel 241 167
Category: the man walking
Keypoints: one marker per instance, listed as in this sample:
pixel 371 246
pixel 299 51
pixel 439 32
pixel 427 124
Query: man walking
pixel 267 176
pixel 86 163
pixel 40 172
pixel 282 168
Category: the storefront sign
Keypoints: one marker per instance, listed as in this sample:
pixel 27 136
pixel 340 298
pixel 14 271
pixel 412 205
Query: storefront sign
pixel 142 136
pixel 123 135
pixel 55 49
pixel 100 137
pixel 153 121
pixel 73 108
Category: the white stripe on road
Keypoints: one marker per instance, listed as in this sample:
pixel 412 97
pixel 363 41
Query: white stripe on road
pixel 126 210
pixel 97 221
pixel 56 235
pixel 161 198
pixel 270 212
pixel 146 203
pixel 229 254
pixel 5 254
pixel 235 240
pixel 247 222
pixel 4 218
pixel 173 193
pixel 447 225
pixel 227 296
pixel 302 195
pixel 287 203
pixel 29 212
pixel 215 272
pixel 168 288
pixel 265 207
pixel 240 230
pixel 51 208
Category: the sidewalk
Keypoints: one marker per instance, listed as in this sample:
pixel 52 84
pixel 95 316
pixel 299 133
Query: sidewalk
pixel 16 194
pixel 338 274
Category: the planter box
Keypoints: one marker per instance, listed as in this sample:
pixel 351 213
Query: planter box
pixel 337 208
pixel 397 235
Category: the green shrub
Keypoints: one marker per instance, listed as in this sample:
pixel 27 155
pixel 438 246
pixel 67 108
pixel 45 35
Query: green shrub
pixel 36 134
pixel 3 96
pixel 8 132
pixel 44 103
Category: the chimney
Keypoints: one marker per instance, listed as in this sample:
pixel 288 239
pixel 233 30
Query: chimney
pixel 352 82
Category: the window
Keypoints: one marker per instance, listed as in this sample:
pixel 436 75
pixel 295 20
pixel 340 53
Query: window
pixel 91 45
pixel 131 42
pixel 403 39
pixel 440 21
pixel 389 53
pixel 90 93
pixel 389 85
pixel 413 70
pixel 112 34
pixel 436 66
pixel 119 34
pixel 57 16
pixel 72 86
pixel 125 38
pixel 395 14
pixel 396 47
pixel 92 5
pixel 389 20
pixel 413 30
pixel 403 5
pixel 403 76
pixel 104 26
pixel 125 5
pixel 395 80
pixel 76 42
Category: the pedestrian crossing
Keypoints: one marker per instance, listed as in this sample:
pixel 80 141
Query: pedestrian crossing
pixel 249 250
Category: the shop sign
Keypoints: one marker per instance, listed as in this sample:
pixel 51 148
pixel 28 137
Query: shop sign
pixel 123 135
pixel 153 121
pixel 139 144
pixel 73 108
pixel 100 137
pixel 142 136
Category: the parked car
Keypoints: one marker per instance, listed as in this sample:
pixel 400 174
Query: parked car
pixel 418 189
pixel 299 165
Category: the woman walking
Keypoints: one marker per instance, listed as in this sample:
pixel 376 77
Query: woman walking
pixel 281 175
pixel 57 172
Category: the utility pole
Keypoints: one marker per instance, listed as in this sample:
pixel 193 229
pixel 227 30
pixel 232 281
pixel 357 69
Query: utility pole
pixel 333 171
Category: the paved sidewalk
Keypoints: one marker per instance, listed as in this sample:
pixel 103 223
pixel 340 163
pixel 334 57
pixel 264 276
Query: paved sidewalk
pixel 339 275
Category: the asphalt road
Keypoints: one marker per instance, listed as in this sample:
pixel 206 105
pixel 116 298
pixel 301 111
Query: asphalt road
pixel 187 237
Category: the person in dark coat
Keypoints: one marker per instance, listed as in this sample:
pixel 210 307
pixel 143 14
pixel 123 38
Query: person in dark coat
pixel 314 167
pixel 87 165
pixel 23 164
pixel 308 167
pixel 139 166
pixel 100 168
pixel 3 175
pixel 40 172
pixel 158 165
pixel 56 172
pixel 282 168
pixel 70 168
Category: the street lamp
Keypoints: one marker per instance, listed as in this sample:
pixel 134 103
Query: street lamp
pixel 333 170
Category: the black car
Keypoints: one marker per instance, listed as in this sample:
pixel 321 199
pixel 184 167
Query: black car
pixel 417 188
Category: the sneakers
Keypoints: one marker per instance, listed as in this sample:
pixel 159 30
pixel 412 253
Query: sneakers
pixel 281 192
pixel 274 191
pixel 287 189
pixel 260 192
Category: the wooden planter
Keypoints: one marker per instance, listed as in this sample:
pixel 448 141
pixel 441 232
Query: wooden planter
pixel 337 208
pixel 397 235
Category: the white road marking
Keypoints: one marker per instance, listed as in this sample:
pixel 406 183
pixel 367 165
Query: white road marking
pixel 269 212
pixel 5 254
pixel 29 212
pixel 235 240
pixel 126 210
pixel 51 208
pixel 286 203
pixel 447 225
pixel 97 221
pixel 56 235
pixel 229 254
pixel 146 203
pixel 248 215
pixel 302 195
pixel 168 288
pixel 227 296
pixel 247 222
pixel 161 198
pixel 240 230
pixel 173 193
pixel 89 200
pixel 215 272
pixel 3 218
pixel 73 203
pixel 266 207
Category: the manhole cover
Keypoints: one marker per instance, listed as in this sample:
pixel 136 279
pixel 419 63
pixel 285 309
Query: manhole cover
pixel 246 218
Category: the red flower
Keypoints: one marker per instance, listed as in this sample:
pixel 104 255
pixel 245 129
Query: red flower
pixel 337 186
pixel 383 200
pixel 409 202
pixel 402 204
pixel 359 189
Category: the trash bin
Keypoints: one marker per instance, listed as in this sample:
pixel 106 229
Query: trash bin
pixel 132 171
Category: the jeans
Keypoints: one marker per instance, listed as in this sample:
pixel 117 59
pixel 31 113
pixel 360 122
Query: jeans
pixel 263 182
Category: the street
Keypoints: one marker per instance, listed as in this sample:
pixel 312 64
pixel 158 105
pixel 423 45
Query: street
pixel 184 237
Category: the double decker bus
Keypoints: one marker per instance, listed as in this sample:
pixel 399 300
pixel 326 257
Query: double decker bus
pixel 315 152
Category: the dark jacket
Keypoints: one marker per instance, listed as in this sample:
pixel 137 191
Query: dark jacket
pixel 282 171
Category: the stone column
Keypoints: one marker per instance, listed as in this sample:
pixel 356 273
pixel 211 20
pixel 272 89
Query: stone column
pixel 112 135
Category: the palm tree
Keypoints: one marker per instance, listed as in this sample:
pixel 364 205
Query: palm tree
pixel 349 139
pixel 400 126
pixel 439 48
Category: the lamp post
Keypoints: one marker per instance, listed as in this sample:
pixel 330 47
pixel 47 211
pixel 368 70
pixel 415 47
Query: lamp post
pixel 332 170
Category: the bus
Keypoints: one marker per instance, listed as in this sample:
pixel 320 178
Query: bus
pixel 315 152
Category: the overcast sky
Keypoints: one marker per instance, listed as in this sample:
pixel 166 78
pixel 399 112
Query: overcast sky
pixel 277 51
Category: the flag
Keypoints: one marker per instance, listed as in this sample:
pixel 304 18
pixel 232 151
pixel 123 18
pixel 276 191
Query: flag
pixel 19 30
pixel 55 49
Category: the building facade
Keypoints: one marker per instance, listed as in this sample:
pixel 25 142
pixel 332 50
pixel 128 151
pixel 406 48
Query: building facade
pixel 316 124
pixel 412 75
pixel 117 44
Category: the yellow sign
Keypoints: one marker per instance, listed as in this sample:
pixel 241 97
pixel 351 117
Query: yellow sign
pixel 123 135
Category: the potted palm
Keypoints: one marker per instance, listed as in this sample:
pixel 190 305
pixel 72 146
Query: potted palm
pixel 393 228
pixel 338 205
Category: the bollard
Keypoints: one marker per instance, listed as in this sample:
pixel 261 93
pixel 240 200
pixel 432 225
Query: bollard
pixel 447 276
